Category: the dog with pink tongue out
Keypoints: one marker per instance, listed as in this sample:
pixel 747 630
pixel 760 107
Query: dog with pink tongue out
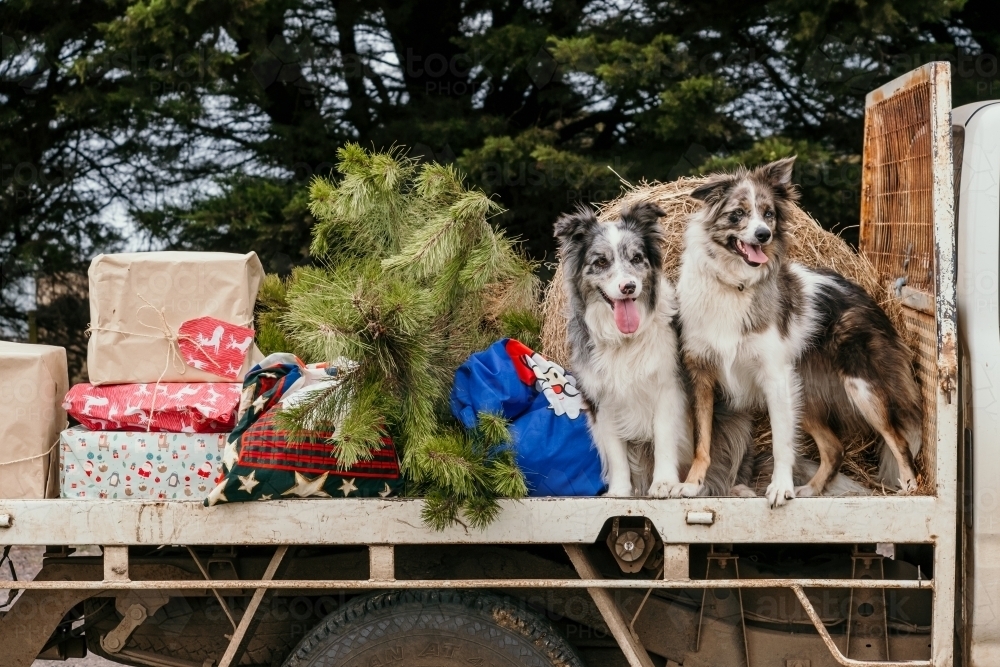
pixel 760 331
pixel 624 350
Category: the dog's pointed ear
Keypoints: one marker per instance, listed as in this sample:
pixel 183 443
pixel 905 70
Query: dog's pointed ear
pixel 714 189
pixel 778 172
pixel 778 176
pixel 644 213
pixel 572 225
pixel 644 217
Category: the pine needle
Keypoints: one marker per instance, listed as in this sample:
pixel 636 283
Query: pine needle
pixel 494 429
pixel 414 280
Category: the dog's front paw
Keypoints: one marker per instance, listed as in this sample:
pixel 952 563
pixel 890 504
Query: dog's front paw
pixel 685 490
pixel 907 486
pixel 619 491
pixel 661 488
pixel 805 491
pixel 742 491
pixel 780 492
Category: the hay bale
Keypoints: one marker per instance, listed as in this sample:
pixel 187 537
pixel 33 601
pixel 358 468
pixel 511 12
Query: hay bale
pixel 811 245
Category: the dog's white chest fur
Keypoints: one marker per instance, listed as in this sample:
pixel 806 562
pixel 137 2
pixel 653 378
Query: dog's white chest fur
pixel 713 321
pixel 626 377
pixel 716 323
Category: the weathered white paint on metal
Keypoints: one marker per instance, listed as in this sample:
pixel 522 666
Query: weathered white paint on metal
pixel 116 563
pixel 835 650
pixel 531 521
pixel 917 300
pixel 258 596
pixel 943 459
pixel 135 615
pixel 676 561
pixel 382 562
pixel 621 629
pixel 979 265
pixel 946 451
pixel 215 592
pixel 703 518
pixel 363 584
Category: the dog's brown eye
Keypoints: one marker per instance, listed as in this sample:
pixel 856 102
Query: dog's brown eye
pixel 636 259
pixel 600 262
pixel 735 216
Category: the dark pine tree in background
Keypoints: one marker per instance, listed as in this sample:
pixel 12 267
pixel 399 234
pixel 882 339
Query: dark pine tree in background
pixel 199 125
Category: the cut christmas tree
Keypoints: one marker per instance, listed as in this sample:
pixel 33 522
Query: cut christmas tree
pixel 411 278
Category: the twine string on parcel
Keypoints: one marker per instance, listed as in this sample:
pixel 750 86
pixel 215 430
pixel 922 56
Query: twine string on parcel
pixel 30 458
pixel 173 339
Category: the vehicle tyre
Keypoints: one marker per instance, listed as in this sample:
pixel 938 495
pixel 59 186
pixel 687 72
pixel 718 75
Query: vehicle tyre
pixel 433 629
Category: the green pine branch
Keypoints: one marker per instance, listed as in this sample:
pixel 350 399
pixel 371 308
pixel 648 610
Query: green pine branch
pixel 413 279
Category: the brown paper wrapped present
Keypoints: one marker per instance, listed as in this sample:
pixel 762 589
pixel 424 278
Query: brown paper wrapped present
pixel 33 381
pixel 138 302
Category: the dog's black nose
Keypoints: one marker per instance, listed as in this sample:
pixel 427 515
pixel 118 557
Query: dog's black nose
pixel 762 235
pixel 627 288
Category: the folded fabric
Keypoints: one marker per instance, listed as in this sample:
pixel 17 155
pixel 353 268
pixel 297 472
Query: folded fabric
pixel 98 465
pixel 550 435
pixel 276 376
pixel 171 407
pixel 265 464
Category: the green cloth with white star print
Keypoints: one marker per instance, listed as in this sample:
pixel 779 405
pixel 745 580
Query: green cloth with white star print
pixel 263 464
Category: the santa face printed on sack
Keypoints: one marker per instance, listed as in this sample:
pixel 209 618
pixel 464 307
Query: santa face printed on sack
pixel 558 386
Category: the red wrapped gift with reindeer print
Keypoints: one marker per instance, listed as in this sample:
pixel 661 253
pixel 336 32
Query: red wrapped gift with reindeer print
pixel 171 407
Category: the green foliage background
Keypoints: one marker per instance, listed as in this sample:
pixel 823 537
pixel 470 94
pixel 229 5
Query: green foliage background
pixel 200 124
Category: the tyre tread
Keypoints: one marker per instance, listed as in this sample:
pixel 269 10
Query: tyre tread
pixel 535 629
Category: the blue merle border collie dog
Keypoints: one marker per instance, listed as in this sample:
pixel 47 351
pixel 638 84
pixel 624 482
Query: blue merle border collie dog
pixel 811 347
pixel 624 348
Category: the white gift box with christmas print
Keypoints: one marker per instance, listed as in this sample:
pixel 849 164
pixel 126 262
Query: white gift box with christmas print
pixel 129 465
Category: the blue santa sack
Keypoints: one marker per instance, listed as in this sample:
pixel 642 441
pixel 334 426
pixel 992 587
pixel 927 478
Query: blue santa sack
pixel 549 430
